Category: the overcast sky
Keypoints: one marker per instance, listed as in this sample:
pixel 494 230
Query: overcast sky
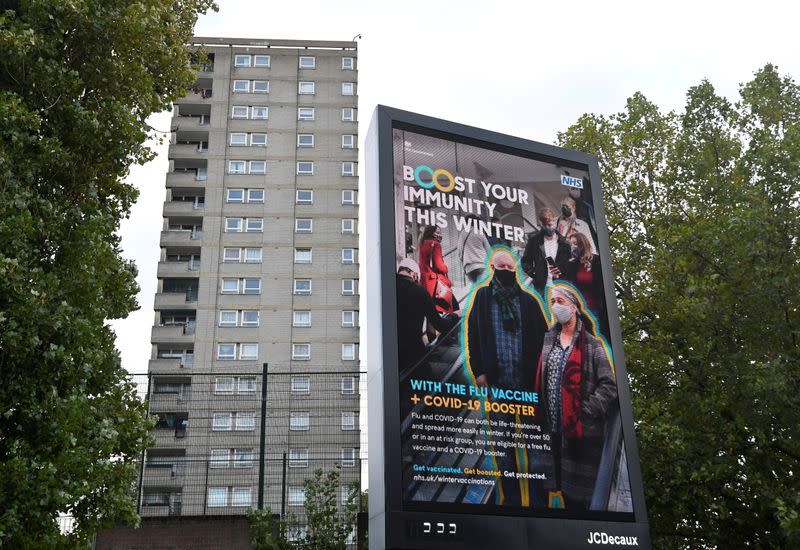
pixel 528 69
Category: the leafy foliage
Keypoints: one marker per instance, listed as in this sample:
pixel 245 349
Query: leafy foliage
pixel 703 210
pixel 77 82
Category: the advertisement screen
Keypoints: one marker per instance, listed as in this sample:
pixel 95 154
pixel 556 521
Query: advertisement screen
pixel 508 387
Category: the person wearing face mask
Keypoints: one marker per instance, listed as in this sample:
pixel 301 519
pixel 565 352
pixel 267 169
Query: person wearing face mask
pixel 583 271
pixel 433 270
pixel 505 328
pixel 546 252
pixel 577 389
pixel 584 210
pixel 569 223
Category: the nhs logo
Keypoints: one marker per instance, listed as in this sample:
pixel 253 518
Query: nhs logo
pixel 569 181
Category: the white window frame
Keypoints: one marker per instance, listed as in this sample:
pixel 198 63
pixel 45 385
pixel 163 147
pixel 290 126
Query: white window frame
pixel 299 421
pixel 300 256
pixel 349 255
pixel 297 387
pixel 298 200
pixel 257 141
pixel 254 225
pixel 349 420
pixel 297 318
pixel 244 286
pixel 307 62
pixel 348 114
pixel 250 323
pixel 345 284
pixel 245 389
pixel 241 491
pixel 252 255
pixel 348 141
pixel 233 225
pixel 233 166
pixel 302 292
pixel 262 58
pixel 219 386
pixel 310 143
pixel 296 496
pixel 245 60
pixel 217 497
pixel 348 88
pixel 226 356
pixel 298 457
pixel 238 87
pixel 349 352
pixel 232 191
pixel 300 223
pixel 227 312
pixel 257 167
pixel 348 385
pixel 349 168
pixel 306 113
pixel 265 86
pixel 229 291
pixel 349 456
pixel 351 193
pixel 222 422
pixel 348 226
pixel 244 116
pixel 252 198
pixel 245 421
pixel 231 255
pixel 220 458
pixel 305 172
pixel 349 313
pixel 348 63
pixel 253 112
pixel 296 352
pixel 248 351
pixel 306 87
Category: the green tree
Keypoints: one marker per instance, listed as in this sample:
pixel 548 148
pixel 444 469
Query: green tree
pixel 269 531
pixel 703 211
pixel 328 523
pixel 77 81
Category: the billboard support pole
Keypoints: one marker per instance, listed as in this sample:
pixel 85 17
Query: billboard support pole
pixel 263 437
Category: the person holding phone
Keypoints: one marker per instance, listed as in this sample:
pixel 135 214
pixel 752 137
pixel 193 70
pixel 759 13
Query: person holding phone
pixel 546 252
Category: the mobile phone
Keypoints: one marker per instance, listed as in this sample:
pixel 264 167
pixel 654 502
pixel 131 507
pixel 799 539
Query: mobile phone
pixel 550 261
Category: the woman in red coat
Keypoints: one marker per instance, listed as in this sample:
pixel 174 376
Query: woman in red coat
pixel 433 270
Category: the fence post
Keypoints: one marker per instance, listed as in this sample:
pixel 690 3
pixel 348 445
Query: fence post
pixel 263 436
pixel 283 488
pixel 144 451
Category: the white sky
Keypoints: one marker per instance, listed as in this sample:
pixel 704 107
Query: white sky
pixel 528 69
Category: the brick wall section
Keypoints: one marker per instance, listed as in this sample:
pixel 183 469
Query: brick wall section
pixel 176 533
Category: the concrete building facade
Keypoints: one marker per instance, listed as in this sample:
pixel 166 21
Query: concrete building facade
pixel 259 264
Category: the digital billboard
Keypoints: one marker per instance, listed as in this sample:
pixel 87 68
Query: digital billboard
pixel 503 405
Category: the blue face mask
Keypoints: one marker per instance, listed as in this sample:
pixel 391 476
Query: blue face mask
pixel 576 251
pixel 549 231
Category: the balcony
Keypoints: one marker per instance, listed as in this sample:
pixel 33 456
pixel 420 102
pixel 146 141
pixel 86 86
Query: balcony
pixel 190 117
pixel 189 268
pixel 166 300
pixel 164 365
pixel 160 501
pixel 181 237
pixel 173 334
pixel 189 177
pixel 183 208
pixel 188 150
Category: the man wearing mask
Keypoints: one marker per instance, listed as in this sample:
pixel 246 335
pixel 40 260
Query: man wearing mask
pixel 505 329
pixel 414 305
pixel 546 252
pixel 584 210
pixel 569 223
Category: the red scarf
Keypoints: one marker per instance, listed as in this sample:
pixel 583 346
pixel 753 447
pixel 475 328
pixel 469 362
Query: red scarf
pixel 571 390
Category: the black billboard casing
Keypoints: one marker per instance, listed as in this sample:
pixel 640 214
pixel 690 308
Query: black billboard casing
pixel 499 409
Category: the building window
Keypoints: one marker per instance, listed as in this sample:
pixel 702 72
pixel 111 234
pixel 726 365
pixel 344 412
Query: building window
pixel 348 255
pixel 250 317
pixel 244 318
pixel 227 318
pixel 348 141
pixel 348 495
pixel 305 140
pixel 296 533
pixel 304 88
pixel 258 140
pixel 348 63
pixel 261 61
pixel 304 196
pixel 226 352
pixel 259 113
pixel 348 88
pixel 233 225
pixel 298 458
pixel 348 352
pixel 249 352
pixel 305 168
pixel 301 384
pixel 246 385
pixel 220 458
pixel 255 195
pixel 261 86
pixel 348 456
pixel 252 255
pixel 235 195
pixel 230 286
pixel 305 113
pixel 299 421
pixel 241 86
pixel 258 166
pixel 231 254
pixel 223 385
pixel 302 255
pixel 301 352
pixel 348 287
pixel 348 226
pixel 348 318
pixel 348 196
pixel 236 166
pixel 255 225
pixel 240 496
pixel 348 420
pixel 348 385
pixel 222 422
pixel 308 62
pixel 303 225
pixel 245 421
pixel 348 114
pixel 297 496
pixel 302 286
pixel 348 168
pixel 241 61
pixel 301 319
pixel 217 497
pixel 251 286
pixel 239 111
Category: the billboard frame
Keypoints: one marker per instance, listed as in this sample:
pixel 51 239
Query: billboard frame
pixel 390 524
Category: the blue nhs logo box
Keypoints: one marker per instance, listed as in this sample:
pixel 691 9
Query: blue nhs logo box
pixel 569 181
